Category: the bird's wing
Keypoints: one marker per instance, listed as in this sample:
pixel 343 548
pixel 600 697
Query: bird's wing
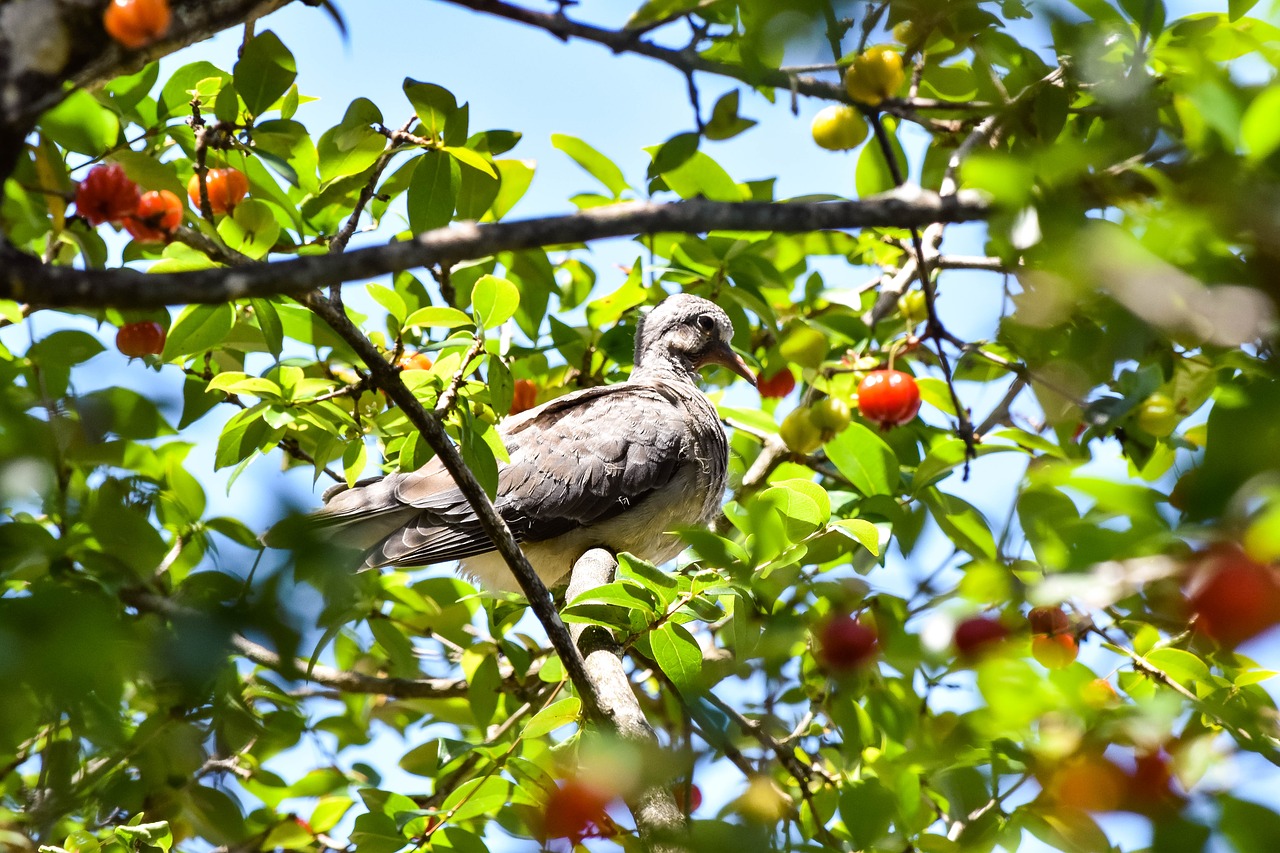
pixel 575 461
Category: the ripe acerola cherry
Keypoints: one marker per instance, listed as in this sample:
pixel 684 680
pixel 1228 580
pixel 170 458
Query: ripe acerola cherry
pixel 1088 783
pixel 845 644
pixel 690 794
pixel 575 810
pixel 137 23
pixel 158 213
pixel 415 361
pixel 977 636
pixel 1150 786
pixel 144 337
pixel 106 195
pixel 1048 620
pixel 227 188
pixel 888 397
pixel 524 397
pixel 778 385
pixel 1233 596
pixel 1054 651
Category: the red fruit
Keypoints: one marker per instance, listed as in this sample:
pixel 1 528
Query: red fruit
pixel 158 213
pixel 1150 787
pixel 888 397
pixel 106 195
pixel 576 811
pixel 1087 783
pixel 690 794
pixel 1233 596
pixel 845 644
pixel 778 385
pixel 226 187
pixel 415 361
pixel 979 635
pixel 525 396
pixel 145 337
pixel 1048 620
pixel 1054 651
pixel 137 23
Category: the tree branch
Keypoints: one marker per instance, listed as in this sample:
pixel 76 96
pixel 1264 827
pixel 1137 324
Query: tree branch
pixel 25 279
pixel 658 817
pixel 33 71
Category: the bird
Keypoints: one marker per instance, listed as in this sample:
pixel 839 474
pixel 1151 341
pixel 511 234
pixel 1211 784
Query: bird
pixel 617 466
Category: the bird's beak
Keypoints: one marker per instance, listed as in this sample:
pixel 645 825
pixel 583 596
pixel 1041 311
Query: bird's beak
pixel 724 355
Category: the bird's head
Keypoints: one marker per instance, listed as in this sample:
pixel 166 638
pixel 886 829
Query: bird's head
pixel 687 333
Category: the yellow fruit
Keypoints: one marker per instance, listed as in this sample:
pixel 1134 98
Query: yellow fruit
pixel 1158 415
pixel 800 433
pixel 763 802
pixel 839 128
pixel 875 75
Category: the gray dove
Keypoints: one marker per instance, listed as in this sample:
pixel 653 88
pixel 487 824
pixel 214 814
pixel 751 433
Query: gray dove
pixel 618 466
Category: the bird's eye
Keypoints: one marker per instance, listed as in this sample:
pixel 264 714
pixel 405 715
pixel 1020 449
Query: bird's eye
pixel 706 323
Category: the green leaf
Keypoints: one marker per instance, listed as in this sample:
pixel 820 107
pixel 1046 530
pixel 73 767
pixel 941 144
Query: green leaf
pixel 872 175
pixel 433 105
pixel 701 176
pixel 433 191
pixel 515 180
pixel 81 124
pixel 494 301
pixel 265 71
pixel 1259 130
pixel 596 164
pixel 152 834
pixel 1183 667
pixel 251 229
pixel 472 159
pixel 352 146
pixel 553 716
pixel 860 530
pixel 197 329
pixel 438 316
pixel 483 796
pixel 961 522
pixel 678 656
pixel 175 97
pixel 268 321
pixel 1237 9
pixel 1249 827
pixel 865 460
pixel 725 122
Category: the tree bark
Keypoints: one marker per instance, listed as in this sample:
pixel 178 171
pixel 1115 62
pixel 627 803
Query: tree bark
pixel 659 820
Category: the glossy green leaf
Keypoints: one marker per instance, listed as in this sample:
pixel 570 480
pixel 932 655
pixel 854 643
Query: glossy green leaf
pixel 265 71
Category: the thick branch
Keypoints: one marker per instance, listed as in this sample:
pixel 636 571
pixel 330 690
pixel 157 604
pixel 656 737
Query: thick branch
pixel 658 818
pixel 24 279
pixel 33 70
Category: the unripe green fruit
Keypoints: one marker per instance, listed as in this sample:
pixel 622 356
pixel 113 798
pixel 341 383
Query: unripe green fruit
pixel 830 414
pixel 800 433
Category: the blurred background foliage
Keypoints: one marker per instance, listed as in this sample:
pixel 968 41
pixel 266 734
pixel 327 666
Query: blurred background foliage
pixel 169 686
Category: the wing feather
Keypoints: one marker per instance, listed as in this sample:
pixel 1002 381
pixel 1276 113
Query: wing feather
pixel 575 462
